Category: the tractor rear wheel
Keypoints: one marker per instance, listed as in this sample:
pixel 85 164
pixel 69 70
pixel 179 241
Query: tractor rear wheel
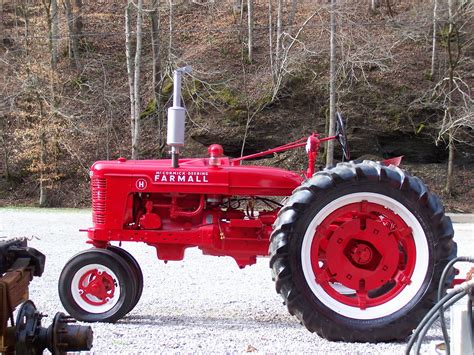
pixel 97 285
pixel 358 250
pixel 137 271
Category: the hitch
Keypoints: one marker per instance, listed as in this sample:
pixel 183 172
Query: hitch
pixel 18 264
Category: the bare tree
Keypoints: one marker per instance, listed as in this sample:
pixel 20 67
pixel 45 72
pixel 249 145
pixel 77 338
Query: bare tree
pixel 157 77
pixel 433 49
pixel 452 93
pixel 291 17
pixel 284 55
pixel 332 86
pixel 270 39
pixel 78 20
pixel 374 4
pixel 25 7
pixel 73 36
pixel 5 140
pixel 2 20
pixel 250 30
pixel 279 29
pixel 133 71
pixel 51 13
pixel 452 62
pixel 171 24
pixel 156 46
pixel 42 192
pixel 54 33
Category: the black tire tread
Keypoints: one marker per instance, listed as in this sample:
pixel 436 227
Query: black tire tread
pixel 303 196
pixel 123 268
pixel 135 266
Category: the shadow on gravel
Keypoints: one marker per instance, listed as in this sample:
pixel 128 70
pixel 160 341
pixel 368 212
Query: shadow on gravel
pixel 199 321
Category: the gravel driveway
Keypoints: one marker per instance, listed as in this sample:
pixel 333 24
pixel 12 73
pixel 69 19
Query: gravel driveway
pixel 202 304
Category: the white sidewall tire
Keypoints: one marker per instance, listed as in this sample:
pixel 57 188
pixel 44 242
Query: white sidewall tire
pixel 430 248
pixel 406 295
pixel 116 267
pixel 83 303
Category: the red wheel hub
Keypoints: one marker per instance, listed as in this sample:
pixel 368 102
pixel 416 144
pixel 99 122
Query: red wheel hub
pixel 362 254
pixel 96 287
pixel 366 248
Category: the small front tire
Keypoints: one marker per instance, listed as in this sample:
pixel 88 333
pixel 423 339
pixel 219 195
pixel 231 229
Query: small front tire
pixel 137 271
pixel 97 285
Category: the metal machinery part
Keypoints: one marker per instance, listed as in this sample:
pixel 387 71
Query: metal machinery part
pixel 341 137
pixel 461 339
pixel 18 264
pixel 176 117
pixel 462 326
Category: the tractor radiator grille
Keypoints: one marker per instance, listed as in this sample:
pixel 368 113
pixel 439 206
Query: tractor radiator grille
pixel 99 194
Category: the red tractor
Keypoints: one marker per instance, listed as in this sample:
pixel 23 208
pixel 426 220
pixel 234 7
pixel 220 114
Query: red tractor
pixel 356 251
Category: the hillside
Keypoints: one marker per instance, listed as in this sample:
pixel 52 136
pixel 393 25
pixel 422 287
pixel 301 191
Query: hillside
pixel 55 122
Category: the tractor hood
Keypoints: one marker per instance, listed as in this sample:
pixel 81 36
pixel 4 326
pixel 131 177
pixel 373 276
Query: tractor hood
pixel 198 176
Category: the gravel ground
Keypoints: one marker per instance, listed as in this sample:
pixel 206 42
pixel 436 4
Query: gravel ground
pixel 202 304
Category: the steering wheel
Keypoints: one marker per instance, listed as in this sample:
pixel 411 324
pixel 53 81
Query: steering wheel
pixel 342 138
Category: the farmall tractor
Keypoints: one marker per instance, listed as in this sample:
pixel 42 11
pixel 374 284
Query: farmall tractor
pixel 356 250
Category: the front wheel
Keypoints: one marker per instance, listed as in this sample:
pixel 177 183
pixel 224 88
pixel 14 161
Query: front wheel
pixel 135 267
pixel 358 250
pixel 97 285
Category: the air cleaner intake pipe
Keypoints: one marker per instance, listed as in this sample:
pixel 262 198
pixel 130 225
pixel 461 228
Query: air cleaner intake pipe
pixel 176 117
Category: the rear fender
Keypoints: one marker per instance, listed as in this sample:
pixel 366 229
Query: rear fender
pixel 392 161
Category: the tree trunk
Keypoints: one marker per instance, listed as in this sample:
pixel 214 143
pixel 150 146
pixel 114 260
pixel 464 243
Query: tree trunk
pixel 78 23
pixel 450 170
pixel 374 4
pixel 47 6
pixel 54 33
pixel 449 119
pixel 237 14
pixel 5 143
pixel 433 50
pixel 136 81
pixel 156 47
pixel 278 34
pixel 42 154
pixel 291 17
pixel 250 33
pixel 2 20
pixel 128 55
pixel 270 41
pixel 42 192
pixel 389 8
pixel 236 7
pixel 27 27
pixel 51 14
pixel 6 164
pixel 157 74
pixel 332 86
pixel 73 39
pixel 170 40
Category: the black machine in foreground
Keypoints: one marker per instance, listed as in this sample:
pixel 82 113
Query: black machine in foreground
pixel 25 335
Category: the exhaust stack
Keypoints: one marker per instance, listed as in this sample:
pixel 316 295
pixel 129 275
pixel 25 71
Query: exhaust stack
pixel 176 117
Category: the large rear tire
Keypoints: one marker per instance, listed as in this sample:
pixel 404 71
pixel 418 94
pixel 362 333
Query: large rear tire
pixel 358 250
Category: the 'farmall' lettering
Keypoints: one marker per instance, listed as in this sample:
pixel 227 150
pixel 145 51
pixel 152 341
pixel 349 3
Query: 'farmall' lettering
pixel 182 176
